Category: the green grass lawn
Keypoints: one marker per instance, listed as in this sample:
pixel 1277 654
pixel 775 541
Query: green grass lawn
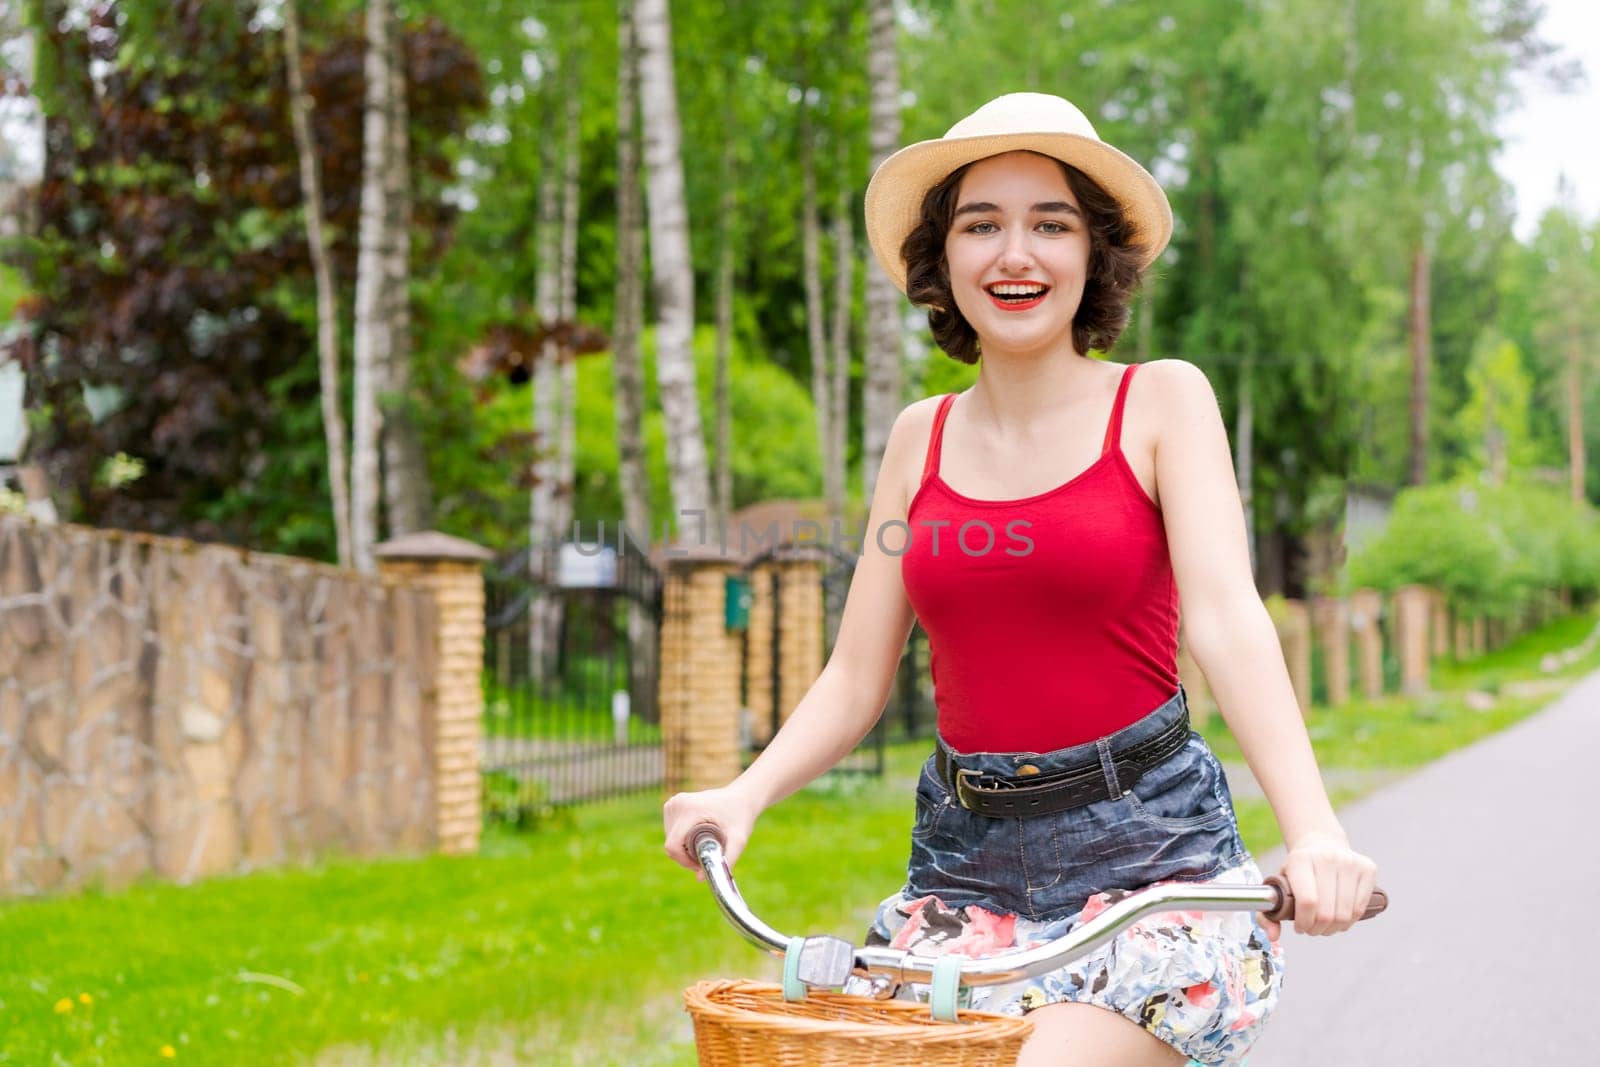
pixel 568 945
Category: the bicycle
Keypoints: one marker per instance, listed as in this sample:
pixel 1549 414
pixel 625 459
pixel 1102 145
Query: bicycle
pixel 747 1023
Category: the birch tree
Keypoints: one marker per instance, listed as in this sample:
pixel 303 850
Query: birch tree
pixel 300 105
pixel 816 314
pixel 374 338
pixel 627 363
pixel 727 205
pixel 671 270
pixel 882 378
pixel 407 492
pixel 844 277
pixel 542 526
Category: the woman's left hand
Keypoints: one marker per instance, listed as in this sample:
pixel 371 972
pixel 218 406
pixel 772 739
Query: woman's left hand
pixel 1331 882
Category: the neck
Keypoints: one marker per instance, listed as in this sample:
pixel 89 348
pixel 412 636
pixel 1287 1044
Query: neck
pixel 1016 390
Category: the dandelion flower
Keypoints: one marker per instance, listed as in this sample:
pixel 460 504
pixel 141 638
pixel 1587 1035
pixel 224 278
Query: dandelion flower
pixel 84 998
pixel 168 1052
pixel 63 1005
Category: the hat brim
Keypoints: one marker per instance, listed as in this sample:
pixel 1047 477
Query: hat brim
pixel 894 196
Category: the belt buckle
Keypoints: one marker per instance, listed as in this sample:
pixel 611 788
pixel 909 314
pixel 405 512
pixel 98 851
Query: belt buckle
pixel 963 786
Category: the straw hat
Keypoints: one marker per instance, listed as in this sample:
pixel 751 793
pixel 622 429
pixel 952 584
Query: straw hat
pixel 1036 122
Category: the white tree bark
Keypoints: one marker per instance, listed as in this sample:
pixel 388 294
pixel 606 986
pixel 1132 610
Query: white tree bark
pixel 300 105
pixel 543 530
pixel 567 406
pixel 373 336
pixel 816 314
pixel 844 281
pixel 1244 463
pixel 627 363
pixel 881 400
pixel 407 490
pixel 726 207
pixel 671 269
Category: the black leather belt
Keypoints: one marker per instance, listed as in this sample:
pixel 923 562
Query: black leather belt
pixel 1045 794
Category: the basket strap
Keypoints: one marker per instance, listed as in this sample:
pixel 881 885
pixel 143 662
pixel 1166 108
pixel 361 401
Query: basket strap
pixel 793 988
pixel 946 984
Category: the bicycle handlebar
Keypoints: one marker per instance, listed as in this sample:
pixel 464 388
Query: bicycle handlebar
pixel 1273 899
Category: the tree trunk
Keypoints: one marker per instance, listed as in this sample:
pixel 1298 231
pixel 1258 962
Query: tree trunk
pixel 844 283
pixel 811 268
pixel 407 491
pixel 372 334
pixel 627 364
pixel 671 269
pixel 1244 464
pixel 882 374
pixel 728 204
pixel 1575 456
pixel 627 361
pixel 1421 324
pixel 567 404
pixel 300 105
pixel 542 526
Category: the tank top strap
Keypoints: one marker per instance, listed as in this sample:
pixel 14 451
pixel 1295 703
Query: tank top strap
pixel 936 438
pixel 1114 427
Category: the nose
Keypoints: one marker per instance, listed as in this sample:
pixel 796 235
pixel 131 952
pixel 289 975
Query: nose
pixel 1016 257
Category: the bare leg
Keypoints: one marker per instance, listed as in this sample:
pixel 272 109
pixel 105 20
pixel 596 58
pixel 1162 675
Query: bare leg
pixel 1086 1035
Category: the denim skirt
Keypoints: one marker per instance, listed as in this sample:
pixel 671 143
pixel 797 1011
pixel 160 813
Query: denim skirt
pixel 976 885
pixel 1175 821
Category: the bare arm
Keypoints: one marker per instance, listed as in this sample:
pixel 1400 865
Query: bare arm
pixel 841 706
pixel 1233 638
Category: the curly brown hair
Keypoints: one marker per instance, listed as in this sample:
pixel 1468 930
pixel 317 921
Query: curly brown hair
pixel 1113 277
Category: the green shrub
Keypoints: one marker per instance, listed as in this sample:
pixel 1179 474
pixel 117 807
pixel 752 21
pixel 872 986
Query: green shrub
pixel 1491 549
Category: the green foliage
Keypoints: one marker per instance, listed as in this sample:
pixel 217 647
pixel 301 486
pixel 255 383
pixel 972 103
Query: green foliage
pixel 1491 549
pixel 13 287
pixel 1493 429
pixel 775 450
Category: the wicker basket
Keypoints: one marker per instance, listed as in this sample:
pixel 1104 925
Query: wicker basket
pixel 749 1024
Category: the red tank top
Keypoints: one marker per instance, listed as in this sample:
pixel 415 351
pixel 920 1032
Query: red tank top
pixel 1052 619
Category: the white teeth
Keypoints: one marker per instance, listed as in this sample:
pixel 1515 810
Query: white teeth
pixel 1004 289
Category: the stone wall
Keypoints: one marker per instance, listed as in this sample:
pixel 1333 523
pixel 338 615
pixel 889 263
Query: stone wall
pixel 179 710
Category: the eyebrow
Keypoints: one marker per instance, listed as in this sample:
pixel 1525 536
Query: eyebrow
pixel 982 207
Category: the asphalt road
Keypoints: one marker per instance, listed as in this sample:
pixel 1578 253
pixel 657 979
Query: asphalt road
pixel 1489 953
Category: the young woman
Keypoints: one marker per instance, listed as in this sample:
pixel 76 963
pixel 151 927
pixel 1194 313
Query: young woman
pixel 1044 526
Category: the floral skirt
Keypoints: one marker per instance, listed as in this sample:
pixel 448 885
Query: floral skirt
pixel 1203 982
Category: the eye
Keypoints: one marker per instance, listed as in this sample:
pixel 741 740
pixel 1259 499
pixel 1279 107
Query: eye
pixel 1051 226
pixel 978 227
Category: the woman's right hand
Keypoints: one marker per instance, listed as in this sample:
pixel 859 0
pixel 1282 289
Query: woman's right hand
pixel 732 815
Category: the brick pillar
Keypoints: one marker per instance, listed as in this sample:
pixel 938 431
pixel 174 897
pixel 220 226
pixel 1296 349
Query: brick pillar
pixel 451 570
pixel 1412 608
pixel 1438 624
pixel 758 654
pixel 699 672
pixel 799 631
pixel 1365 607
pixel 1201 706
pixel 1480 636
pixel 1462 628
pixel 1293 621
pixel 1331 621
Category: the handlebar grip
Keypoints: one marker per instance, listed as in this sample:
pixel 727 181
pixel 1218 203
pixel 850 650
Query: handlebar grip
pixel 703 830
pixel 1285 909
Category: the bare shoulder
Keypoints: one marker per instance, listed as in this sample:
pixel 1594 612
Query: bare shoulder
pixel 907 445
pixel 1176 386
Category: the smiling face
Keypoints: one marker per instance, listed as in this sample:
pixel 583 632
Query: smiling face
pixel 1018 252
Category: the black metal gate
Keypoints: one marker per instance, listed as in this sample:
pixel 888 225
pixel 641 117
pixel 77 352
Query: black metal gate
pixel 570 678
